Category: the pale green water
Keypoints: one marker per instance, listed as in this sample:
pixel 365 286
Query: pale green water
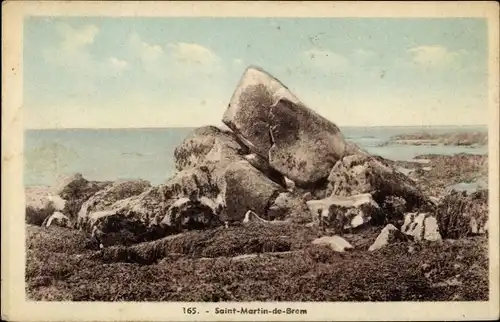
pixel 110 154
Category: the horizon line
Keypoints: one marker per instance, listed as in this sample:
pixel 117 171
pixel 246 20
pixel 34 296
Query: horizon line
pixel 197 126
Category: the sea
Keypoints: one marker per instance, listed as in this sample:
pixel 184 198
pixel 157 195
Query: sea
pixel 113 154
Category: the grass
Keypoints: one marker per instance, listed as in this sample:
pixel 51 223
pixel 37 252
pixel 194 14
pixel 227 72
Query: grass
pixel 200 266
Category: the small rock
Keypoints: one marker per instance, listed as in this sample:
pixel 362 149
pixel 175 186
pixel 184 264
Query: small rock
pixel 57 219
pixel 431 230
pixel 251 216
pixel 421 226
pixel 344 212
pixel 388 235
pixel 336 243
pixel 289 184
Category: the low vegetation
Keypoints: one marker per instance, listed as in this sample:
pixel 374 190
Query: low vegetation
pixel 278 264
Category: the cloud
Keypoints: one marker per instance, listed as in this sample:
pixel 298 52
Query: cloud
pixel 146 52
pixel 192 53
pixel 77 38
pixel 325 59
pixel 118 64
pixel 72 51
pixel 435 56
pixel 176 62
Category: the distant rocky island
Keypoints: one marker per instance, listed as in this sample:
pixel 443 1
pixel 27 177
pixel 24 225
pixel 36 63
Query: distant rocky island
pixel 455 139
pixel 278 207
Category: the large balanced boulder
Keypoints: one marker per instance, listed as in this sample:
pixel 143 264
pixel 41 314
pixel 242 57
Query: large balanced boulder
pixel 342 213
pixel 246 189
pixel 359 174
pixel 273 123
pixel 460 214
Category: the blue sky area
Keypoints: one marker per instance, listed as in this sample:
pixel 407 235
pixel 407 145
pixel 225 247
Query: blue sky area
pixel 162 72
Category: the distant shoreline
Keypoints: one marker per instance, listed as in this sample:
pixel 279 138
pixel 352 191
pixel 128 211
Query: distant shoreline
pixel 469 139
pixel 194 126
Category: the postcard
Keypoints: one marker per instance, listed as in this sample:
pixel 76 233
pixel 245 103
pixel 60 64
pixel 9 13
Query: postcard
pixel 250 161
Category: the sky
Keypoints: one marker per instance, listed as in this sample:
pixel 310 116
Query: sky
pixel 104 72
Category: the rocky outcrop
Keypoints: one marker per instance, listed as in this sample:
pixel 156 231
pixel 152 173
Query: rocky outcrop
pixel 211 147
pixel 342 213
pixel 388 235
pixel 359 174
pixel 246 188
pixel 66 196
pixel 76 188
pixel 113 227
pixel 460 214
pixel 190 214
pixel 336 243
pixel 263 166
pixel 273 123
pixel 185 201
pixel 289 206
pixel 38 205
pixel 282 163
pixel 193 183
pixel 421 226
pixel 106 198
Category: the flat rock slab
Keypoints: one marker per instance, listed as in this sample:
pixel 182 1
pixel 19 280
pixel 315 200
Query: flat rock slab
pixel 336 243
pixel 273 123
